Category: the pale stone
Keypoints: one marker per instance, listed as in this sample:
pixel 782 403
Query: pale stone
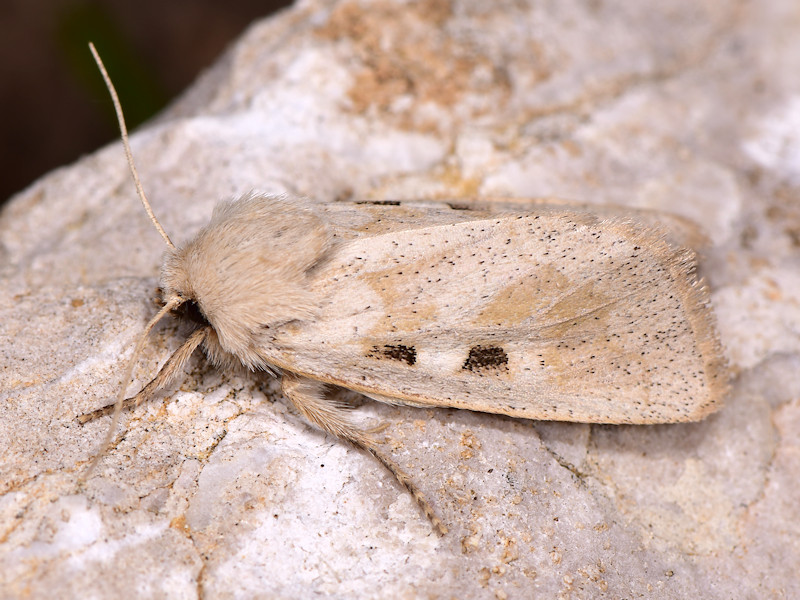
pixel 218 489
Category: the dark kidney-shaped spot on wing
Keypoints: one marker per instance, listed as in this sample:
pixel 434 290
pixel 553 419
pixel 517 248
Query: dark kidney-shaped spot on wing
pixel 482 358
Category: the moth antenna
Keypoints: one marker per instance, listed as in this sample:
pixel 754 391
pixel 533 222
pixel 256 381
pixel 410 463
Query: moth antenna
pixel 123 130
pixel 170 305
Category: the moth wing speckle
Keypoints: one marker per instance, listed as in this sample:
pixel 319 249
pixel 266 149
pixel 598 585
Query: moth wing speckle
pixel 551 316
pixel 354 219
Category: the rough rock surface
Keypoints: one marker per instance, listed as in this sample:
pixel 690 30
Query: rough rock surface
pixel 218 489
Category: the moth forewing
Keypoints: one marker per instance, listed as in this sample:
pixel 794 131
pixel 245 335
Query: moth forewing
pixel 551 316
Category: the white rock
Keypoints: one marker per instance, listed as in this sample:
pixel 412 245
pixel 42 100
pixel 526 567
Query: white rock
pixel 215 489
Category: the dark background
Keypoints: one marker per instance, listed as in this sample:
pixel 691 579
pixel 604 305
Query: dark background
pixel 53 104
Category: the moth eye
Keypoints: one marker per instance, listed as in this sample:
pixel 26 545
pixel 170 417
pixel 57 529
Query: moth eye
pixel 484 358
pixel 190 310
pixel 406 354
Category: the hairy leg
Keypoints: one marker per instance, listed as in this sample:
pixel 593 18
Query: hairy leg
pixel 330 416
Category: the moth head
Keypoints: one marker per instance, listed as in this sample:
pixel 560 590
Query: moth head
pixel 247 271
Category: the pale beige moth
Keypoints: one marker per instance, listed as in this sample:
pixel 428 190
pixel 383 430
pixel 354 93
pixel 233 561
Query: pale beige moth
pixel 527 311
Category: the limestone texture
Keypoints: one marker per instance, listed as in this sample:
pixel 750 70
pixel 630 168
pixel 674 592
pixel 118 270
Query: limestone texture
pixel 218 489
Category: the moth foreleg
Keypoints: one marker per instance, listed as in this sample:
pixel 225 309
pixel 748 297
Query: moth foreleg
pixel 171 368
pixel 328 415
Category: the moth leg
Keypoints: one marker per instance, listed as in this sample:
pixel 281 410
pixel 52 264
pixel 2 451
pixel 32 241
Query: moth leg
pixel 171 368
pixel 380 428
pixel 325 414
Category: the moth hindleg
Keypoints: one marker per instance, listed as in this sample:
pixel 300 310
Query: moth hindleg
pixel 308 396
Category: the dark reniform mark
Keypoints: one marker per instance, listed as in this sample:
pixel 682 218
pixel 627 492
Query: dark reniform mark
pixel 407 354
pixel 489 357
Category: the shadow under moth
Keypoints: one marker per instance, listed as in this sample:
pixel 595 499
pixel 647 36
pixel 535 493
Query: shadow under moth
pixel 542 313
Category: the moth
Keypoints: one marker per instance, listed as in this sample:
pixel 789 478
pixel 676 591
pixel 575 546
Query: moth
pixel 545 314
